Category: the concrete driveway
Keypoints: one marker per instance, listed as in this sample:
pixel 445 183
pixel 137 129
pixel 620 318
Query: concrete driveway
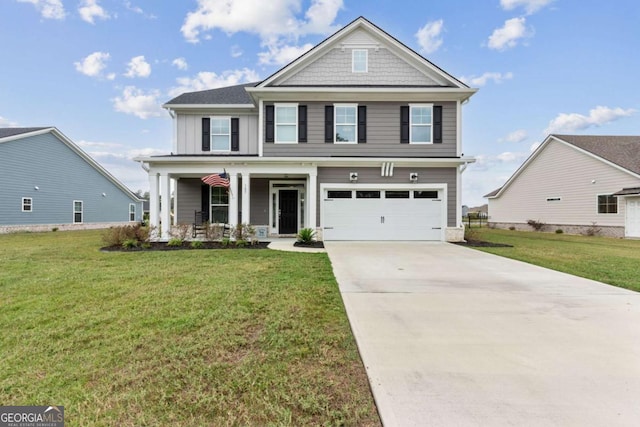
pixel 451 336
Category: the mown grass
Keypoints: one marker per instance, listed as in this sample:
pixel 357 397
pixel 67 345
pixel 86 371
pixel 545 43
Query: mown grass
pixel 608 260
pixel 209 337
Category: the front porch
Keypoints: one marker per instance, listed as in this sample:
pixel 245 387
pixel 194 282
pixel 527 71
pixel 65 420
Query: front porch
pixel 275 202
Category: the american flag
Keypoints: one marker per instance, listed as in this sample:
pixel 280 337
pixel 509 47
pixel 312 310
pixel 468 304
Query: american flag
pixel 217 180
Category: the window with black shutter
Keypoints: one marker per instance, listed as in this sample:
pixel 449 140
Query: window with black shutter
pixel 206 134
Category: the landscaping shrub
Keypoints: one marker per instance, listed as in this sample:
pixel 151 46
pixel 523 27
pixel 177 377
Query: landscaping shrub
pixel 130 244
pixel 306 235
pixel 174 242
pixel 512 228
pixel 116 236
pixel 246 232
pixel 536 225
pixel 593 230
pixel 180 231
pixel 197 244
pixel 559 231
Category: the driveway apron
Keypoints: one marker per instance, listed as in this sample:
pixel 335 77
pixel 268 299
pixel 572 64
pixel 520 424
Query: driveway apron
pixel 451 336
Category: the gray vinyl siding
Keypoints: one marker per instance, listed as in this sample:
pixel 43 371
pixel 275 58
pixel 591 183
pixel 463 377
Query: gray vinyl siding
pixel 337 175
pixel 61 176
pixel 575 177
pixel 189 132
pixel 383 135
pixel 384 68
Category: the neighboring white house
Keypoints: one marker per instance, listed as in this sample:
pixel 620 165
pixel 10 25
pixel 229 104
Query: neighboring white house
pixel 47 181
pixel 358 139
pixel 576 183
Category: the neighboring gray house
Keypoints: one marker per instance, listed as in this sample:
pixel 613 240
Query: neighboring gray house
pixel 47 181
pixel 574 183
pixel 358 139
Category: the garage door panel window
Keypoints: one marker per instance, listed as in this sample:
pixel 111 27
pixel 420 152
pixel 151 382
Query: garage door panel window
pixel 389 194
pixel 337 194
pixel 607 204
pixel 429 194
pixel 364 194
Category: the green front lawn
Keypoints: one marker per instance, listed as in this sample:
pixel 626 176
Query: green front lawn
pixel 613 261
pixel 190 338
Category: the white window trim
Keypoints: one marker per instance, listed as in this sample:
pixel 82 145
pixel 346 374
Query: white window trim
pixel 211 134
pixel 604 213
pixel 81 212
pixel 30 199
pixel 212 205
pixel 132 211
pixel 366 60
pixel 411 107
pixel 275 122
pixel 335 123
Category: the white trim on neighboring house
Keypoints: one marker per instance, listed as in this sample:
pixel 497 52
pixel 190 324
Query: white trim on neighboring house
pixel 277 105
pixel 30 204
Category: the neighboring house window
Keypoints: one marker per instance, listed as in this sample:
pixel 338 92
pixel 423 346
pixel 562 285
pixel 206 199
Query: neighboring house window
pixel 286 123
pixel 346 120
pixel 77 211
pixel 219 205
pixel 220 134
pixel 421 124
pixel 554 199
pixel 132 212
pixel 359 61
pixel 607 204
pixel 27 204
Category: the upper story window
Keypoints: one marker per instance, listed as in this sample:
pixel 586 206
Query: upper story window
pixel 220 134
pixel 286 123
pixel 346 121
pixel 27 204
pixel 607 204
pixel 359 60
pixel 421 125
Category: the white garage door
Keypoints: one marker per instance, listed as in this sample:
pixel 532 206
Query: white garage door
pixel 632 226
pixel 382 215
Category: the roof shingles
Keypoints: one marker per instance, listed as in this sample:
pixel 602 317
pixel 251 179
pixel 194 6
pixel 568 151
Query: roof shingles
pixel 6 132
pixel 221 96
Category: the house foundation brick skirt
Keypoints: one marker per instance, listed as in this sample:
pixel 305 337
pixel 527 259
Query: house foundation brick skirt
pixel 61 227
pixel 587 230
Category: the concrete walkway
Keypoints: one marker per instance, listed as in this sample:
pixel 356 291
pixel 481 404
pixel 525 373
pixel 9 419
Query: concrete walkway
pixel 451 336
pixel 286 244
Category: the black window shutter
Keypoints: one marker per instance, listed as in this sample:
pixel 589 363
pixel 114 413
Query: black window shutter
pixel 206 134
pixel 404 124
pixel 437 124
pixel 302 123
pixel 235 134
pixel 328 123
pixel 269 119
pixel 362 124
pixel 205 191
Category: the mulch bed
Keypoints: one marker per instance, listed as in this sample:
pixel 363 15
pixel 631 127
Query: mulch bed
pixel 483 244
pixel 309 245
pixel 162 246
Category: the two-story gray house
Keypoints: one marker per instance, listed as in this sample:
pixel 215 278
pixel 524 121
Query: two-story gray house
pixel 47 181
pixel 359 139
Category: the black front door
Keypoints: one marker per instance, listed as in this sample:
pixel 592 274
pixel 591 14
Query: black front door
pixel 288 203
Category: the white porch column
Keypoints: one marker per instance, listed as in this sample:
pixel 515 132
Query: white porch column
pixel 246 199
pixel 165 212
pixel 154 201
pixel 233 199
pixel 174 220
pixel 312 196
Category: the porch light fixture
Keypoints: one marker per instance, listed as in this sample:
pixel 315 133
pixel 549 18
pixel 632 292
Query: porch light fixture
pixel 353 176
pixel 36 188
pixel 104 194
pixel 413 177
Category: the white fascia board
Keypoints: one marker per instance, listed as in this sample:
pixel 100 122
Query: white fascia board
pixel 206 106
pixel 403 94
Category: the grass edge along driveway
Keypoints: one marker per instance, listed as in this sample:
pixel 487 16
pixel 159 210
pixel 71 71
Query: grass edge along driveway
pixel 199 337
pixel 604 259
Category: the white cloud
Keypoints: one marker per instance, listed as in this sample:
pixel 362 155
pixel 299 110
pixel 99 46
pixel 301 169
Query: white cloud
pixel 236 51
pixel 94 144
pixel 94 64
pixel 508 36
pixel 484 79
pixel 138 67
pixel 515 136
pixel 49 9
pixel 138 10
pixel 269 19
pixel 281 55
pixel 90 9
pixel 4 122
pixel 530 6
pixel 135 101
pixel 598 116
pixel 429 36
pixel 180 63
pixel 209 80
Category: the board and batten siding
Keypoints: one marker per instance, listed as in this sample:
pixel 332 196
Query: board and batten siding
pixel 560 171
pixel 61 176
pixel 383 135
pixel 189 132
pixel 339 175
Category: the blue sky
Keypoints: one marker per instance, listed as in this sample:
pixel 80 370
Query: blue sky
pixel 99 70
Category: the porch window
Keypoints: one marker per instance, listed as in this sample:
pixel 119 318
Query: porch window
pixel 421 124
pixel 77 211
pixel 607 204
pixel 27 204
pixel 286 123
pixel 346 119
pixel 219 205
pixel 220 134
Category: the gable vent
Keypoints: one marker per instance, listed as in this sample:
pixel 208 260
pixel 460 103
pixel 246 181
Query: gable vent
pixel 386 169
